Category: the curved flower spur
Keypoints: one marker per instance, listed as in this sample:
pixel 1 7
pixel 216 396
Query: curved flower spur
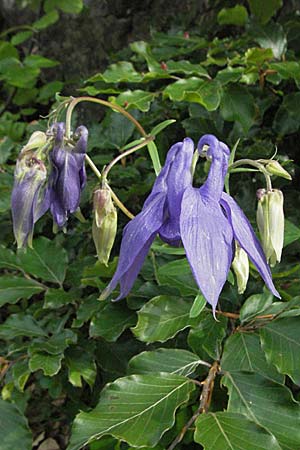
pixel 205 219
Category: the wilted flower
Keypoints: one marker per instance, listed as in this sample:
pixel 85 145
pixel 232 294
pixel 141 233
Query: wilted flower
pixel 240 265
pixel 104 224
pixel 68 173
pixel 270 221
pixel 30 196
pixel 160 214
pixel 208 220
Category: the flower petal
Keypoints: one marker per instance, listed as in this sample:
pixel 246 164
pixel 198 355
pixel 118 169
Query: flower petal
pixel 207 238
pixel 138 236
pixel 244 234
pixel 179 178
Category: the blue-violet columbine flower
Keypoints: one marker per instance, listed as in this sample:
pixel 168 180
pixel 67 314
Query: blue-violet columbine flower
pixel 205 219
pixel 68 173
pixel 210 220
pixel 160 214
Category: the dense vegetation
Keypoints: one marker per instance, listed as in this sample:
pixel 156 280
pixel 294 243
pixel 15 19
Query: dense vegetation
pixel 156 369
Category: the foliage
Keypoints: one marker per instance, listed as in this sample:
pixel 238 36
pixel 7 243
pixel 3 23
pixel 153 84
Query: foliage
pixel 127 375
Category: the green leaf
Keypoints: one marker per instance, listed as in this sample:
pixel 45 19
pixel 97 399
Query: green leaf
pixel 243 352
pixel 229 75
pixel 258 56
pixel 111 321
pixel 291 233
pixel 38 61
pixel 70 6
pixel 287 69
pixel 178 274
pixel 20 373
pixel 170 360
pixel 153 152
pixel 56 298
pixel 46 260
pixel 237 105
pixel 187 68
pixel 55 344
pixel 20 325
pixel 286 120
pixel 137 409
pixel 228 431
pixel 237 15
pixel 136 99
pixel 281 342
pixel 207 337
pixel 15 432
pixel 255 305
pixel 268 404
pixel 45 21
pixel 8 259
pixel 13 289
pixel 120 72
pixel 48 91
pixel 198 306
pixel 161 126
pixel 205 92
pixel 21 37
pixel 81 366
pixel 161 318
pixel 49 364
pixel 264 10
pixel 271 36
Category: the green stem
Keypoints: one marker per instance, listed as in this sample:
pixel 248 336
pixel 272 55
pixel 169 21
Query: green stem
pixel 16 28
pixel 255 164
pixel 119 203
pixel 123 155
pixel 118 108
pixel 93 167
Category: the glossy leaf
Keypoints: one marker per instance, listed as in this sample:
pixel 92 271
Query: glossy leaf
pixel 281 343
pixel 20 325
pixel 162 318
pixel 81 366
pixel 237 15
pixel 13 289
pixel 178 274
pixel 243 352
pixel 268 404
pixel 229 431
pixel 263 11
pixel 207 337
pixel 255 306
pixel 238 106
pixel 49 364
pixel 139 402
pixel 136 99
pixel 170 360
pixel 15 432
pixel 195 90
pixel 45 260
pixel 286 118
pixel 111 321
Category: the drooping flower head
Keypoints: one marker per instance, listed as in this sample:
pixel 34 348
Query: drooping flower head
pixel 68 173
pixel 30 196
pixel 210 220
pixel 160 214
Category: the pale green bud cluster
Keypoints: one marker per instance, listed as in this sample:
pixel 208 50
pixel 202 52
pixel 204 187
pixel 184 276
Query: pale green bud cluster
pixel 104 224
pixel 270 221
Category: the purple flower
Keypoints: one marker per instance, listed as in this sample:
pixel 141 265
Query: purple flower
pixel 30 196
pixel 160 214
pixel 68 173
pixel 210 220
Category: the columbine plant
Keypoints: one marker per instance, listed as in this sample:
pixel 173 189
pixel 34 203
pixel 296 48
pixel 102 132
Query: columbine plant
pixel 214 231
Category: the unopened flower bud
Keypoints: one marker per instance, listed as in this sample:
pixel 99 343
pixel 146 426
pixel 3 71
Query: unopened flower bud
pixel 274 168
pixel 270 221
pixel 240 266
pixel 104 224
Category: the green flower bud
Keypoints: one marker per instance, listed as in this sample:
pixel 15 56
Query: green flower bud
pixel 240 266
pixel 274 168
pixel 270 221
pixel 37 139
pixel 104 224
